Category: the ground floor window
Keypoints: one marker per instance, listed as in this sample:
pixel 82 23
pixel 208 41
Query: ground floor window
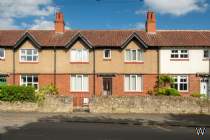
pixel 29 80
pixel 133 83
pixel 79 83
pixel 3 80
pixel 181 83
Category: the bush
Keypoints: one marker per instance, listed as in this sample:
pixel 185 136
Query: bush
pixel 48 90
pixel 195 94
pixel 17 93
pixel 168 92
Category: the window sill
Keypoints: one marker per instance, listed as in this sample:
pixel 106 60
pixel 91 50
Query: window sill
pixel 134 62
pixel 179 59
pixel 133 92
pixel 79 91
pixel 107 59
pixel 28 62
pixel 79 62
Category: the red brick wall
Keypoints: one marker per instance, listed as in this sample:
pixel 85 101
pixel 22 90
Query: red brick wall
pixel 63 84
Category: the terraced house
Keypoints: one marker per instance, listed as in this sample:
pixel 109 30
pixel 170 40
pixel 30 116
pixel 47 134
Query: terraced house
pixel 105 62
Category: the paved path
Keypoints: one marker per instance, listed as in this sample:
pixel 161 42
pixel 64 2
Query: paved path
pixel 98 131
pixel 100 126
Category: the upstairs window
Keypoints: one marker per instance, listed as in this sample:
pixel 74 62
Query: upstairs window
pixel 133 55
pixel 107 54
pixel 79 55
pixel 179 54
pixel 29 55
pixel 29 80
pixel 2 53
pixel 206 54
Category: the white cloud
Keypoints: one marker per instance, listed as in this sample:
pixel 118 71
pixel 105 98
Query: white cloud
pixel 7 23
pixel 41 24
pixel 176 7
pixel 16 9
pixel 24 8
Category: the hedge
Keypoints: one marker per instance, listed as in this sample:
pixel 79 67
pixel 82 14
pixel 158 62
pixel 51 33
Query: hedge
pixel 17 93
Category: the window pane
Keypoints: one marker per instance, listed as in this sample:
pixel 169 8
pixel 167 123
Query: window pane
pixel 1 52
pixel 29 58
pixel 35 79
pixel 128 55
pixel 73 83
pixel 35 51
pixel 35 58
pixel 79 83
pixel 107 53
pixel 133 54
pixel 85 55
pixel 29 79
pixel 205 53
pixel 140 55
pixel 29 52
pixel 85 83
pixel 127 83
pixel 133 82
pixel 139 83
pixel 23 52
pixel 23 58
pixel 23 79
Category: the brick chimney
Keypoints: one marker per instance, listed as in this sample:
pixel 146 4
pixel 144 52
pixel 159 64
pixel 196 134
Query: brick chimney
pixel 151 22
pixel 59 22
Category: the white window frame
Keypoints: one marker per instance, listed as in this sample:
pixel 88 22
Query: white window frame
pixel 32 83
pixel 179 53
pixel 208 53
pixel 32 55
pixel 179 77
pixel 78 90
pixel 140 84
pixel 110 54
pixel 136 50
pixel 83 50
pixel 3 53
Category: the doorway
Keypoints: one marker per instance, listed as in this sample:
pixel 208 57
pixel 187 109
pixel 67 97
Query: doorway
pixel 107 86
pixel 204 86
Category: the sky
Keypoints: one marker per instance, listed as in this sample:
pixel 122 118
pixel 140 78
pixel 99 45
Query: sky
pixel 105 14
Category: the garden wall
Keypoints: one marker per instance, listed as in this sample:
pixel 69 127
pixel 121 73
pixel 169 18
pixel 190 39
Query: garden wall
pixel 50 104
pixel 149 104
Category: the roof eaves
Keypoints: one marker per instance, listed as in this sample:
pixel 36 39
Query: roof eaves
pixel 25 36
pixel 75 38
pixel 134 35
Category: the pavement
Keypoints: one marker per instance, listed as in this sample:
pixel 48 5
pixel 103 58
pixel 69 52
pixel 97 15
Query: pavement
pixel 87 126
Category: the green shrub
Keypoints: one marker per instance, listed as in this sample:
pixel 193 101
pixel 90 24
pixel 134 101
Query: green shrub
pixel 47 90
pixel 195 94
pixel 17 93
pixel 168 92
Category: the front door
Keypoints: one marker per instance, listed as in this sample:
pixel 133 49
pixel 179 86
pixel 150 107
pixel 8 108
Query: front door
pixel 107 86
pixel 204 86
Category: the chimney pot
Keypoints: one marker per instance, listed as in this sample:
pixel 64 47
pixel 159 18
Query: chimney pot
pixel 59 22
pixel 151 22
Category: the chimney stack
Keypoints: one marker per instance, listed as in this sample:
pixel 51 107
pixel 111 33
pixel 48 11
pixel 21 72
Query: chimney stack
pixel 151 22
pixel 59 22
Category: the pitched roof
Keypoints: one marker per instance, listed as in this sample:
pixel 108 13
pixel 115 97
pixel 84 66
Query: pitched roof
pixel 113 38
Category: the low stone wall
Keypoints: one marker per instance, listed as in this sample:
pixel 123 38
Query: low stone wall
pixel 149 104
pixel 51 104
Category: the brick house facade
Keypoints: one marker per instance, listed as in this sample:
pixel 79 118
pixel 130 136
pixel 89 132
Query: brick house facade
pixel 102 62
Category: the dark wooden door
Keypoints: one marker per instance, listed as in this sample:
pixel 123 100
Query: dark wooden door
pixel 107 86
